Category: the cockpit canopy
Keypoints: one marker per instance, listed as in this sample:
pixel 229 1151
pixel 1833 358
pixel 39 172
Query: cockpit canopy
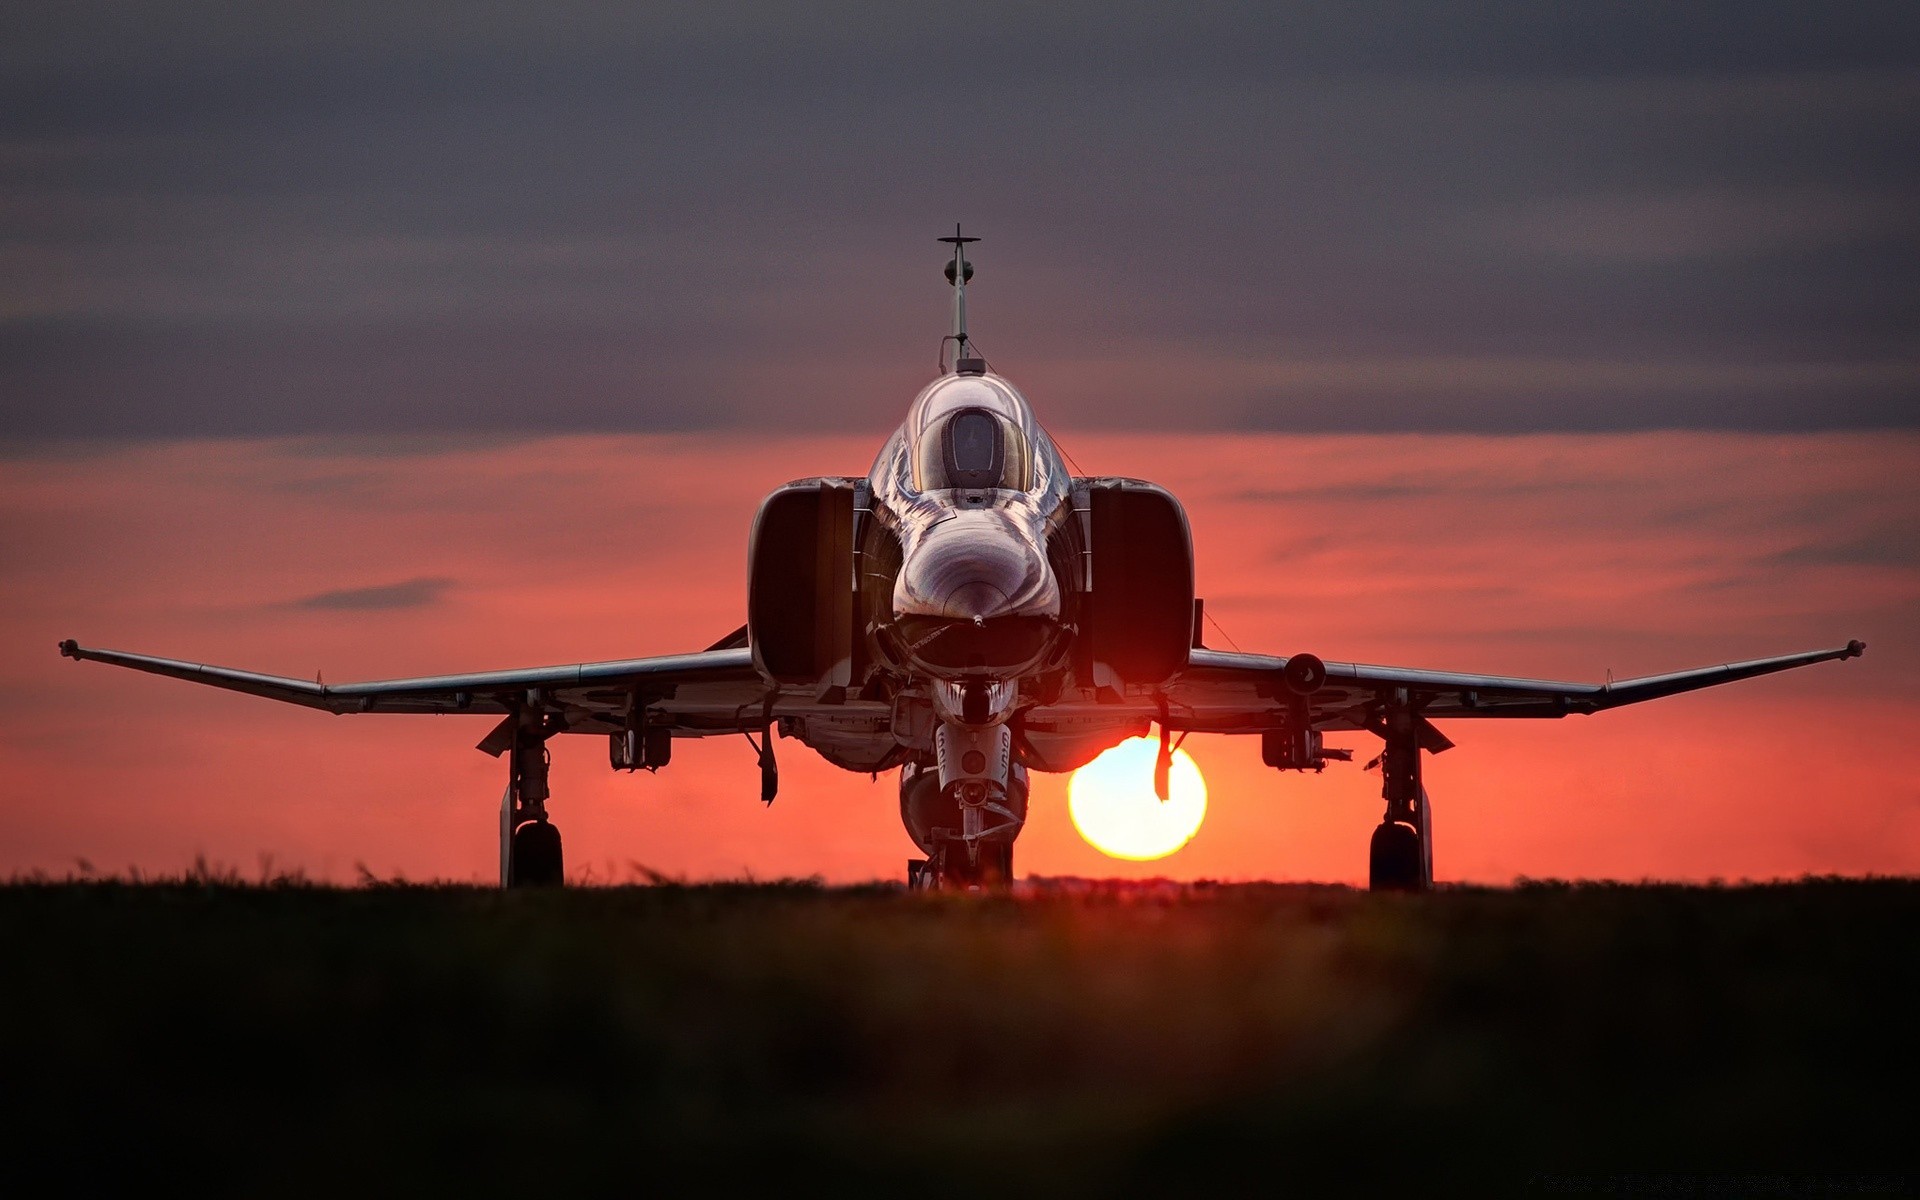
pixel 973 449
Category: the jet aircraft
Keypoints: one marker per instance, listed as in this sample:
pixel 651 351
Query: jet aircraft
pixel 966 613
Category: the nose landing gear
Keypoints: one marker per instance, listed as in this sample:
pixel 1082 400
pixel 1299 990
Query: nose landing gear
pixel 949 868
pixel 964 809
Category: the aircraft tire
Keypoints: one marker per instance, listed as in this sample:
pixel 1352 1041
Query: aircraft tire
pixel 1394 859
pixel 537 860
pixel 992 873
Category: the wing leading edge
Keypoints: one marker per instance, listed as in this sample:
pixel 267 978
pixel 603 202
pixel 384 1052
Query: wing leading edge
pixel 1353 688
pixel 711 689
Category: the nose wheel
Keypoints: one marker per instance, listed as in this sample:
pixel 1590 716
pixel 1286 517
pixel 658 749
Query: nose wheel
pixel 950 868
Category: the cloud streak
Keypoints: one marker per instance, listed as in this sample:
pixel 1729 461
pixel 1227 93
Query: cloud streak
pixel 408 593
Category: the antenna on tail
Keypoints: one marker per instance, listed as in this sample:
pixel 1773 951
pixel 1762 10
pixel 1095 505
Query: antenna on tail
pixel 959 272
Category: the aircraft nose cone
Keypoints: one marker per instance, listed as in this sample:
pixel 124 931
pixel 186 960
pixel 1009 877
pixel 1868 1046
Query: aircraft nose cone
pixel 975 566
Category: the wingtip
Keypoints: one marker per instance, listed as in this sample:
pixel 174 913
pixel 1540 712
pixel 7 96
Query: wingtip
pixel 1856 648
pixel 70 649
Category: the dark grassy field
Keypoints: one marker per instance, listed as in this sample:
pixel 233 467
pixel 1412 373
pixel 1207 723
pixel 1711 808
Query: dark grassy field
pixel 1070 1041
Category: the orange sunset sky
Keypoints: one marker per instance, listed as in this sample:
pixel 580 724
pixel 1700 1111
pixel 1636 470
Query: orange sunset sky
pixel 1560 556
pixel 379 340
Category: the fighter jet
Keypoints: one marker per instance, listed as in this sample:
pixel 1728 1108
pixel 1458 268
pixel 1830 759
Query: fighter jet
pixel 967 613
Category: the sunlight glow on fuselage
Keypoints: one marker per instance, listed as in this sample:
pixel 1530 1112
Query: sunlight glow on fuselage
pixel 1112 803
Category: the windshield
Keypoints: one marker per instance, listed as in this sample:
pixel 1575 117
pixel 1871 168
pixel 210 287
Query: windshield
pixel 975 449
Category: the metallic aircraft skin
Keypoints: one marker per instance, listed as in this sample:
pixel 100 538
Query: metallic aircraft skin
pixel 974 581
pixel 971 557
pixel 954 536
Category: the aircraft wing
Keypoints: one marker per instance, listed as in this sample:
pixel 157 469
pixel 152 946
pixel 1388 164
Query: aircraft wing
pixel 718 691
pixel 712 691
pixel 1231 692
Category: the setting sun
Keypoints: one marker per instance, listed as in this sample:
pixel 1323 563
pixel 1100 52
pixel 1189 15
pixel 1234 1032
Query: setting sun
pixel 1113 806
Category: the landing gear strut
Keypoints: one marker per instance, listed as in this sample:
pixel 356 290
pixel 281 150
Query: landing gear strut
pixel 964 810
pixel 1400 858
pixel 949 868
pixel 529 843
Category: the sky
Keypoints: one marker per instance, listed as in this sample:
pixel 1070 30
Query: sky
pixel 357 217
pixel 378 340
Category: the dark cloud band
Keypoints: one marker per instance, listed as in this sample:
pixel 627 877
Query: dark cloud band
pixel 1485 217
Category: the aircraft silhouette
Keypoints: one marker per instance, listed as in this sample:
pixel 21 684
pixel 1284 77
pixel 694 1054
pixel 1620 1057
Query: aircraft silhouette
pixel 966 613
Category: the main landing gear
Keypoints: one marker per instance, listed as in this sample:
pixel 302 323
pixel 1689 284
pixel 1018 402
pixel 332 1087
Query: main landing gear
pixel 1401 856
pixel 529 843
